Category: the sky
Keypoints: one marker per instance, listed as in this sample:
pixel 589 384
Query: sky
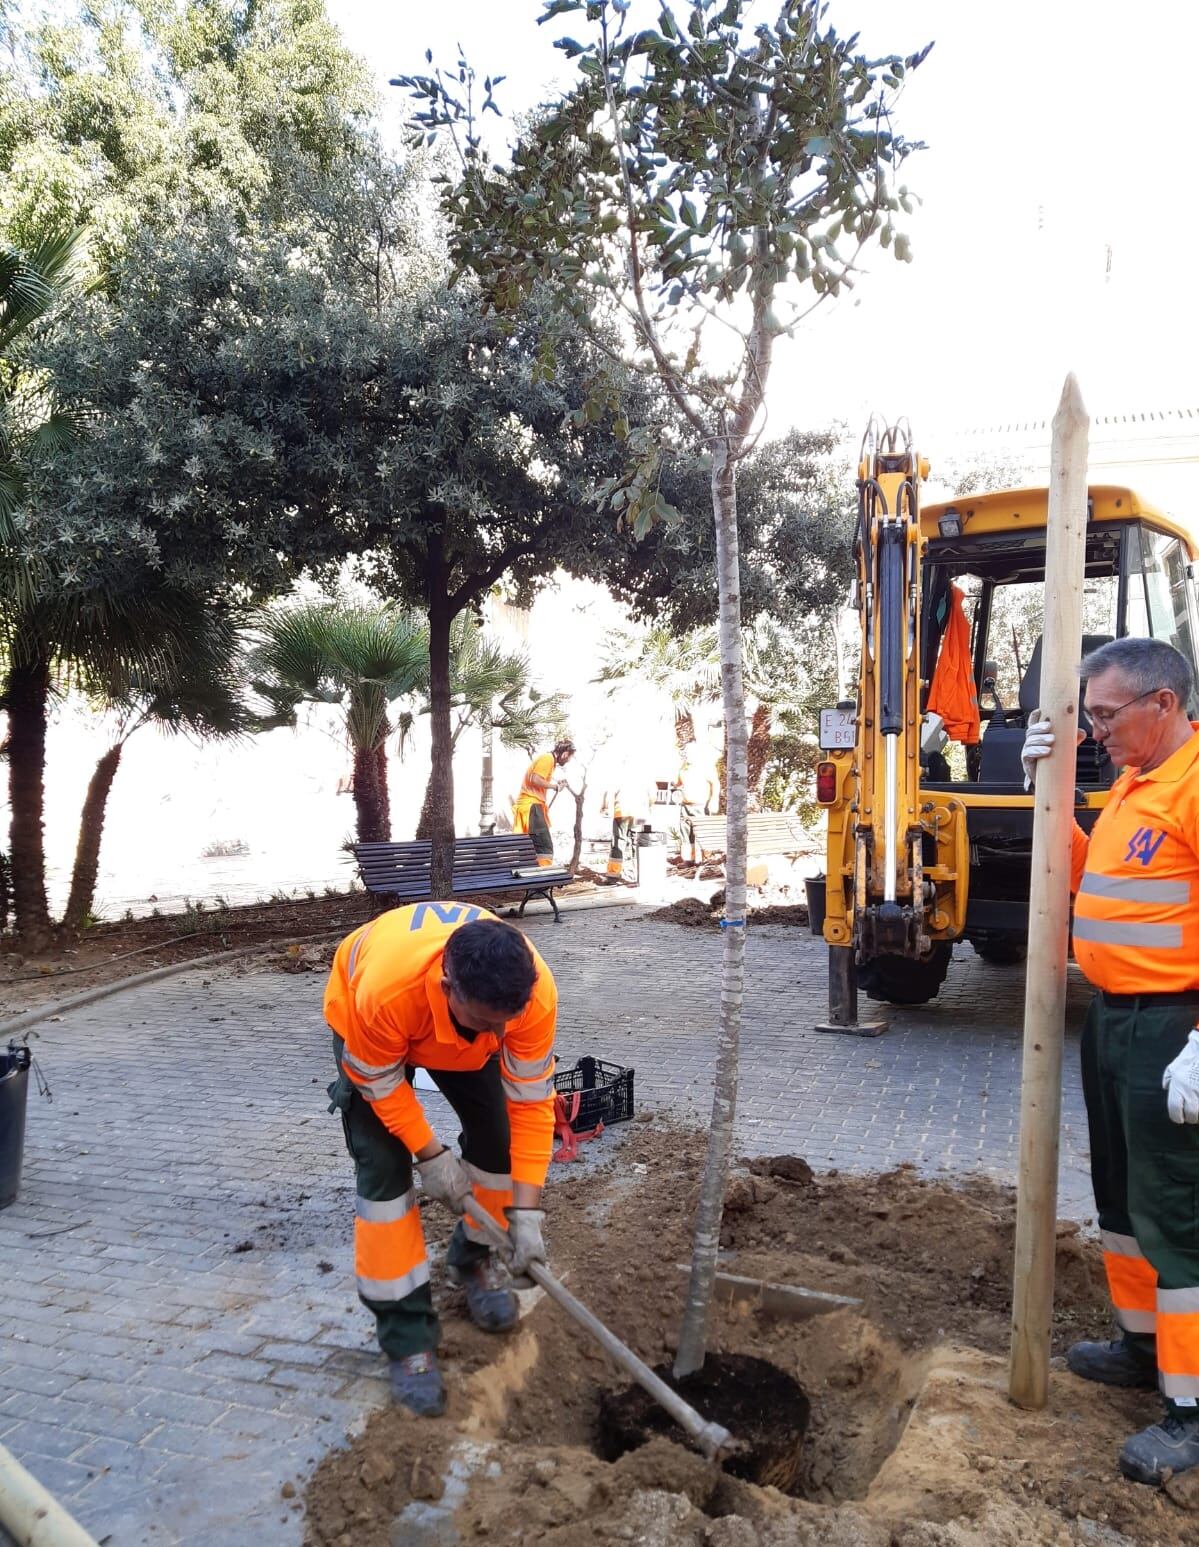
pixel 1058 224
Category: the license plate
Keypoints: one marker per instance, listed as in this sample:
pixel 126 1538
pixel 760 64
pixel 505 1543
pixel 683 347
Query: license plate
pixel 837 728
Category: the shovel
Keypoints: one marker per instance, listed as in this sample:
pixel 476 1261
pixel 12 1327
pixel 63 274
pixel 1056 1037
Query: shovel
pixel 710 1437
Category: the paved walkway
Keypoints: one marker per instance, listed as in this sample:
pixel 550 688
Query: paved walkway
pixel 181 1335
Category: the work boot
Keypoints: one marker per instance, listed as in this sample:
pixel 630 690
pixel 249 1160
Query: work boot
pixel 1118 1363
pixel 1172 1445
pixel 416 1384
pixel 489 1295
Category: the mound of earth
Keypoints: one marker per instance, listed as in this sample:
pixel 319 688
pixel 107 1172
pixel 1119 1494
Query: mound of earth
pixel 695 913
pixel 911 1442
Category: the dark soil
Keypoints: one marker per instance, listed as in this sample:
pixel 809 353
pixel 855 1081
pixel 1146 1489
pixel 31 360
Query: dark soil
pixel 764 1407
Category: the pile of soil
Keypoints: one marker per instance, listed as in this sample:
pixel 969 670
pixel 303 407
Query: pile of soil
pixel 911 1441
pixel 694 913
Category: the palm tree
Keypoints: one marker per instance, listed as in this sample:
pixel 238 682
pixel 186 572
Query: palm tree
pixel 197 694
pixel 364 658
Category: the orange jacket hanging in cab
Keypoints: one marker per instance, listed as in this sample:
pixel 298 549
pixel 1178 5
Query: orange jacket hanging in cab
pixel 953 695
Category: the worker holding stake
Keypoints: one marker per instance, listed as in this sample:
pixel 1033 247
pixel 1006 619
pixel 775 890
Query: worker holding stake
pixel 449 989
pixel 1136 936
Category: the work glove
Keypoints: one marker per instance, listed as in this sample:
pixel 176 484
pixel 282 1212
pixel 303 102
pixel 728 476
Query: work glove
pixel 443 1177
pixel 526 1244
pixel 1038 743
pixel 1180 1081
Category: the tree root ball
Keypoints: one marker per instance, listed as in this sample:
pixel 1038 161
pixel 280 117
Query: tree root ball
pixel 764 1410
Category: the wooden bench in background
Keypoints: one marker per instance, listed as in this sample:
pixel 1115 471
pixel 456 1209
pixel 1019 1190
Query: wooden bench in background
pixel 396 873
pixel 767 832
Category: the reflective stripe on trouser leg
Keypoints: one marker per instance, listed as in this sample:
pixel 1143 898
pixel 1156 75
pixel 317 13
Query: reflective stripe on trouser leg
pixel 1131 1282
pixel 389 1248
pixel 1178 1344
pixel 493 1193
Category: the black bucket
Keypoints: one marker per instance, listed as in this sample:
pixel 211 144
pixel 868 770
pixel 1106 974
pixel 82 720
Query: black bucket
pixel 815 886
pixel 14 1089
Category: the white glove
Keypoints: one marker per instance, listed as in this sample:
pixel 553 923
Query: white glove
pixel 1181 1082
pixel 443 1177
pixel 526 1244
pixel 1038 743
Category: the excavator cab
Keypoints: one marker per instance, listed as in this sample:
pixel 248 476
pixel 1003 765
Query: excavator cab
pixel 960 820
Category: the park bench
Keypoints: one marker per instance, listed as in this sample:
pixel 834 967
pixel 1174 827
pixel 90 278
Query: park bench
pixel 396 873
pixel 767 832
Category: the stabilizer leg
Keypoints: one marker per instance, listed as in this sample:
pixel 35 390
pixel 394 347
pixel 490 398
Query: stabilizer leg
pixel 843 998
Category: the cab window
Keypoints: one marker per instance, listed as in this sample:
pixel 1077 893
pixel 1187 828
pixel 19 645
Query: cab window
pixel 1160 602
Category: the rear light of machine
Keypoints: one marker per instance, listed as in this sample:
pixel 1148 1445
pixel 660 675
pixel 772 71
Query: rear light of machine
pixel 826 783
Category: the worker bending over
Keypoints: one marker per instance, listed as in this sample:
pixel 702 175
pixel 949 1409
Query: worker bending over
pixel 531 814
pixel 450 989
pixel 1136 936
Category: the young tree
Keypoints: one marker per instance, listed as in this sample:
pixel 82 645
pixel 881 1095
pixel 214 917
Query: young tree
pixel 687 179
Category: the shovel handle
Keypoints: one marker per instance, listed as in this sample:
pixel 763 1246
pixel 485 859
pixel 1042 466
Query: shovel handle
pixel 710 1437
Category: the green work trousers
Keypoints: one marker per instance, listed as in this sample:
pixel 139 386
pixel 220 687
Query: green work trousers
pixel 383 1172
pixel 1145 1172
pixel 539 831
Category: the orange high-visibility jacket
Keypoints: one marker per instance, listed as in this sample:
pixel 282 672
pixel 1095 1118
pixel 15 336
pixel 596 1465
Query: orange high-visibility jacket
pixel 952 694
pixel 384 998
pixel 1136 912
pixel 530 795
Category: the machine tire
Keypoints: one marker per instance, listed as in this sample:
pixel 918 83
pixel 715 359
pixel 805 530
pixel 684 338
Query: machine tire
pixel 901 980
pixel 1000 950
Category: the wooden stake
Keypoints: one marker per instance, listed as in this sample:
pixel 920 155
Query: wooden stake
pixel 1049 908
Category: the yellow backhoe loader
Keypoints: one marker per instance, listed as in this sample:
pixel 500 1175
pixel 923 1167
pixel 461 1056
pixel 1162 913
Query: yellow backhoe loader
pixel 929 823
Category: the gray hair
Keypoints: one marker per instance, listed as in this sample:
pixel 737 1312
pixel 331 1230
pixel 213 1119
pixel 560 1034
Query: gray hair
pixel 1148 664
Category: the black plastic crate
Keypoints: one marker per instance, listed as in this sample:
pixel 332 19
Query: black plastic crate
pixel 605 1092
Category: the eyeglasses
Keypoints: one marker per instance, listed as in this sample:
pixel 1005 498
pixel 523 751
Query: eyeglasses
pixel 1106 716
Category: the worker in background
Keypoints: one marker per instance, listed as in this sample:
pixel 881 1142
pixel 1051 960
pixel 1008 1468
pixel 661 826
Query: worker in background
pixel 531 814
pixel 626 801
pixel 1136 936
pixel 449 989
pixel 952 694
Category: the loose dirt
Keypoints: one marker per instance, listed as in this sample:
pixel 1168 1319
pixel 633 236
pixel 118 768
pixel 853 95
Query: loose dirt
pixel 911 1441
pixel 697 914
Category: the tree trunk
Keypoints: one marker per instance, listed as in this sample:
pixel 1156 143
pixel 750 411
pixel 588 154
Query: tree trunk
pixel 487 782
pixel 684 728
pixel 372 827
pixel 383 792
pixel 441 779
pixel 706 1243
pixel 759 747
pixel 91 831
pixel 28 691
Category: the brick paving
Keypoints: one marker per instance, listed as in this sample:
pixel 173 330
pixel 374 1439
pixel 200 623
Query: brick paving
pixel 181 1335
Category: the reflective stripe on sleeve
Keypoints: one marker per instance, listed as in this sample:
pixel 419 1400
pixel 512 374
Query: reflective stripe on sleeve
pixel 1163 937
pixel 1132 889
pixel 1178 1302
pixel 533 1090
pixel 374 1081
pixel 526 1068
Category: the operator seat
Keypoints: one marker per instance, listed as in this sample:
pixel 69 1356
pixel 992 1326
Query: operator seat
pixel 1002 742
